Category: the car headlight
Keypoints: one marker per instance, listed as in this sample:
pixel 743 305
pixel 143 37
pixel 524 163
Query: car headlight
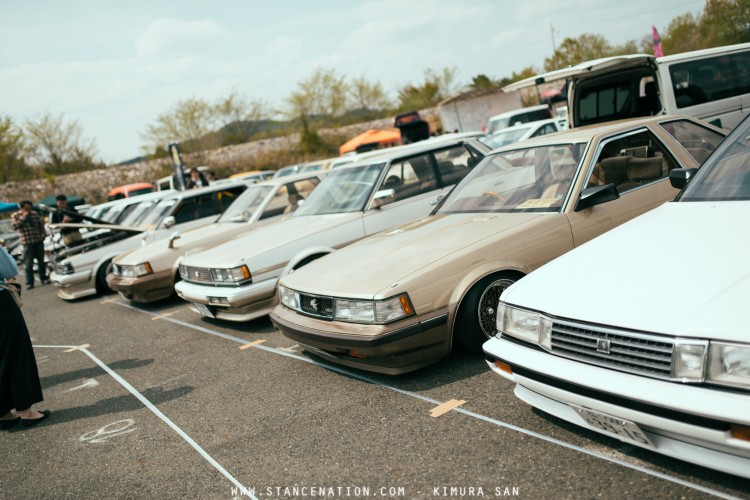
pixel 524 325
pixel 64 267
pixel 288 297
pixel 729 364
pixel 373 311
pixel 126 271
pixel 234 275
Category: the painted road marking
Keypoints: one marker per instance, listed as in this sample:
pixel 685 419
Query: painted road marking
pixel 89 383
pixel 78 348
pixel 499 423
pixel 109 300
pixel 446 407
pixel 153 409
pixel 251 344
pixel 163 315
pixel 101 435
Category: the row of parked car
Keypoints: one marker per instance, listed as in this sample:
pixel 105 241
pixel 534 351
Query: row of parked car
pixel 389 263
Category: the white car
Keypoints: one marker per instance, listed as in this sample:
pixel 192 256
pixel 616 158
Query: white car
pixel 523 131
pixel 640 334
pixel 85 274
pixel 237 281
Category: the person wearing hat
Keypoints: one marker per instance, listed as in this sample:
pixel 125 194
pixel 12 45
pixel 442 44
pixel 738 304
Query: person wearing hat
pixel 70 235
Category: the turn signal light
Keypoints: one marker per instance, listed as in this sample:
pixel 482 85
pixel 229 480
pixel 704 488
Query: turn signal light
pixel 356 354
pixel 505 367
pixel 740 432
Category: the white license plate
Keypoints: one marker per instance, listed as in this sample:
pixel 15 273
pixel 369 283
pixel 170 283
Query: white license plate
pixel 204 310
pixel 624 429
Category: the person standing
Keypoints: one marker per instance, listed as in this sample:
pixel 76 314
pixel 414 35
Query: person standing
pixel 70 235
pixel 20 387
pixel 31 229
pixel 197 179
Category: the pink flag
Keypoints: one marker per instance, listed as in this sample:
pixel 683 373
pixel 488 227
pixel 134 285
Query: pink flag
pixel 658 52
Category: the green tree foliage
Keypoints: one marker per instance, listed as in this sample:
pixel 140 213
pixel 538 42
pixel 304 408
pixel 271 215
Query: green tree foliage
pixel 482 82
pixel 725 22
pixel 437 86
pixel 12 164
pixel 682 35
pixel 368 96
pixel 238 117
pixel 58 146
pixel 188 122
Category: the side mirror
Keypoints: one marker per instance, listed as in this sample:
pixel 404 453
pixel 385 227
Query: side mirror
pixel 596 195
pixel 437 200
pixel 679 177
pixel 175 236
pixel 168 222
pixel 383 197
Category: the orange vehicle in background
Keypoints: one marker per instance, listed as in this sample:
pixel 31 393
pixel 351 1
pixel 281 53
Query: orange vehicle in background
pixel 129 190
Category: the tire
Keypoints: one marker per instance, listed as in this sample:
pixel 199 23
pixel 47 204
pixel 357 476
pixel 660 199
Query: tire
pixel 101 278
pixel 475 323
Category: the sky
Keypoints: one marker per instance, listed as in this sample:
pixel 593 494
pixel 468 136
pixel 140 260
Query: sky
pixel 116 66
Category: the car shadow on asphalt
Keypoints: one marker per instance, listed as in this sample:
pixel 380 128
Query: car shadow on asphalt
pixel 114 405
pixel 92 372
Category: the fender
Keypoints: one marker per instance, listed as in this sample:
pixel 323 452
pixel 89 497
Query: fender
pixel 308 252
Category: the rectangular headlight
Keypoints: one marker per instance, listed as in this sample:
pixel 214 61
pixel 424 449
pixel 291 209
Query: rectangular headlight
pixel 689 360
pixel 373 311
pixel 127 271
pixel 524 325
pixel 729 364
pixel 288 297
pixel 64 267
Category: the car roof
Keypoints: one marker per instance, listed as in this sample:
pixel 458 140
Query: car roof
pixel 415 148
pixel 517 111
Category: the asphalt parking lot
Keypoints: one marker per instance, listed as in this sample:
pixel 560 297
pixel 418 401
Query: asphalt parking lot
pixel 153 401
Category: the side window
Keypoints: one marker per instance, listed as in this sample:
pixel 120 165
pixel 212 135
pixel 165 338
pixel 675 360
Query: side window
pixel 454 163
pixel 226 197
pixel 547 129
pixel 278 203
pixel 605 102
pixel 699 141
pixel 196 207
pixel 630 162
pixel 297 192
pixel 707 80
pixel 410 177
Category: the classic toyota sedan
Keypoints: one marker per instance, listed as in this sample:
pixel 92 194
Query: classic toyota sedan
pixel 399 300
pixel 237 280
pixel 641 334
pixel 148 273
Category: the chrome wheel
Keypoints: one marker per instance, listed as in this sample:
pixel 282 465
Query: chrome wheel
pixel 487 307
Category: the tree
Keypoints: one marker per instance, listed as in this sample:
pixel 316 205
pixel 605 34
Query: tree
pixel 682 35
pixel 445 79
pixel 482 82
pixel 437 86
pixel 725 22
pixel 58 146
pixel 239 117
pixel 12 165
pixel 577 50
pixel 189 121
pixel 368 96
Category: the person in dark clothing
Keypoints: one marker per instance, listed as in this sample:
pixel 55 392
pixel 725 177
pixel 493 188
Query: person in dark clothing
pixel 20 387
pixel 196 180
pixel 31 229
pixel 70 235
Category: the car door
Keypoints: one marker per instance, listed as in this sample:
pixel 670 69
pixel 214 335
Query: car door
pixel 638 164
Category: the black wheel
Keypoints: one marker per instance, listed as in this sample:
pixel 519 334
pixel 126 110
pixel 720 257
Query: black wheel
pixel 101 278
pixel 477 314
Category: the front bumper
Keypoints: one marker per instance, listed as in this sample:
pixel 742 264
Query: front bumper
pixel 392 349
pixel 243 303
pixel 683 421
pixel 148 288
pixel 74 286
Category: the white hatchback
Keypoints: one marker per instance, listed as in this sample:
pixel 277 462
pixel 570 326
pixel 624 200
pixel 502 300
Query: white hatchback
pixel 640 334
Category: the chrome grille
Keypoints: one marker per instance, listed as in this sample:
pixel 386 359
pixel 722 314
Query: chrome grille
pixel 198 275
pixel 626 351
pixel 316 305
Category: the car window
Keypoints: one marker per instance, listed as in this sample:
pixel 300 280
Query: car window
pixel 535 179
pixel 710 79
pixel 226 197
pixel 605 102
pixel 454 163
pixel 343 190
pixel 245 205
pixel 699 141
pixel 289 197
pixel 153 216
pixel 505 137
pixel 410 177
pixel 630 162
pixel 546 129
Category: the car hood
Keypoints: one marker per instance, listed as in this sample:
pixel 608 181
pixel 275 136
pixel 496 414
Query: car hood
pixel 195 240
pixel 376 263
pixel 681 270
pixel 267 239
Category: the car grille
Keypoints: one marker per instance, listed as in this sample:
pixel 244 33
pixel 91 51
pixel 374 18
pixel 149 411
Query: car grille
pixel 637 353
pixel 198 275
pixel 316 305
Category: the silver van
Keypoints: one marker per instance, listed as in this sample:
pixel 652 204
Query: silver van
pixel 712 85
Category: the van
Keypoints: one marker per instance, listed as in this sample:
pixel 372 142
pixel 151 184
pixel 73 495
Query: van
pixel 712 85
pixel 129 190
pixel 518 116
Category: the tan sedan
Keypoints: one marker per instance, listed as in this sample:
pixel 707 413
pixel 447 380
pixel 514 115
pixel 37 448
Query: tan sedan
pixel 399 300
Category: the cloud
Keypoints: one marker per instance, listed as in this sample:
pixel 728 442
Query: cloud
pixel 165 38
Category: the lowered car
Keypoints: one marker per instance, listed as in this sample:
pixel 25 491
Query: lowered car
pixel 641 334
pixel 149 273
pixel 401 299
pixel 237 280
pixel 85 274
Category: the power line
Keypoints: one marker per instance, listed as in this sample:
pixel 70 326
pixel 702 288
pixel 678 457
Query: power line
pixel 619 18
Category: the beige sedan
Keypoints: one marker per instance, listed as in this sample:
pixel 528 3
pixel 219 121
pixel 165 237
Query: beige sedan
pixel 401 299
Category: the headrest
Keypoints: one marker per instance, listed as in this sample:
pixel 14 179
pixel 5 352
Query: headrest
pixel 615 163
pixel 641 169
pixel 563 171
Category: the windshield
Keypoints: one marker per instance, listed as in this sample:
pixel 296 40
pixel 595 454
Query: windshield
pixel 344 190
pixel 246 204
pixel 523 180
pixel 726 174
pixel 161 210
pixel 506 137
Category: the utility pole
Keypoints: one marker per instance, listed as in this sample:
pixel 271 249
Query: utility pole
pixel 554 46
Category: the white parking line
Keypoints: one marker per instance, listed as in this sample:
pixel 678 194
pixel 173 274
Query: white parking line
pixel 153 409
pixel 435 402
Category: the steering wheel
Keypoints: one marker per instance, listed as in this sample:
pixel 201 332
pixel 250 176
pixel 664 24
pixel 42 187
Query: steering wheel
pixel 499 199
